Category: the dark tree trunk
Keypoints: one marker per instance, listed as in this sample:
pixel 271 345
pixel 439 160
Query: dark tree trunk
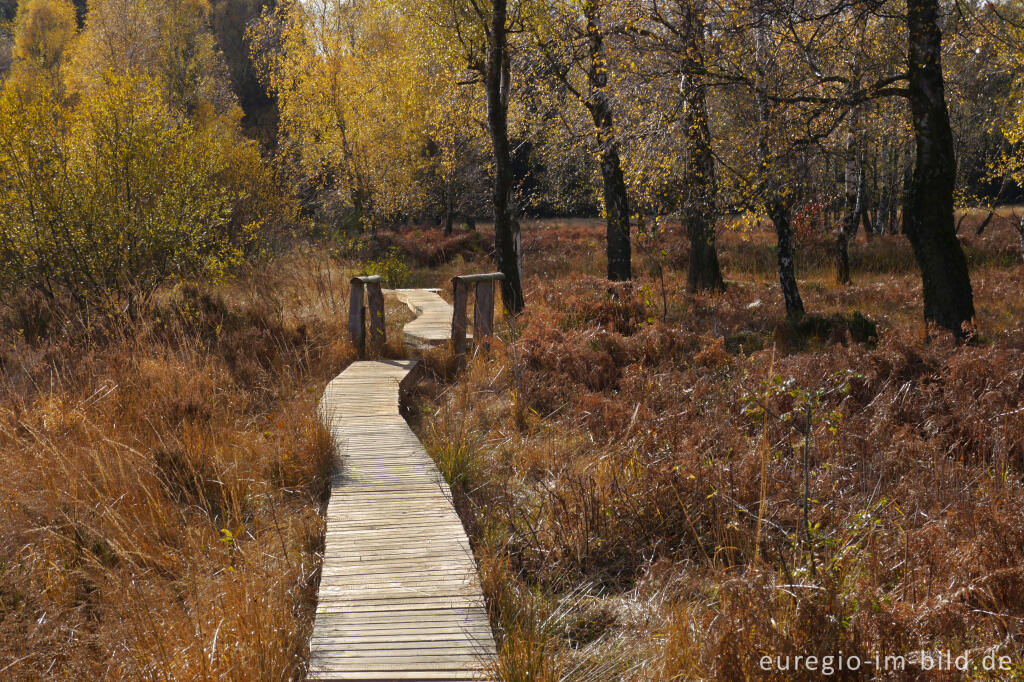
pixel 864 205
pixel 851 184
pixel 497 80
pixel 617 206
pixel 778 211
pixel 775 201
pixel 700 210
pixel 616 200
pixel 449 216
pixel 470 223
pixel 842 255
pixel 928 201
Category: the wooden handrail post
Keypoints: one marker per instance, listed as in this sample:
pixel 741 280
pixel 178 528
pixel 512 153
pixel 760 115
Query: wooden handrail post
pixel 367 287
pixel 460 297
pixel 375 310
pixel 483 313
pixel 483 308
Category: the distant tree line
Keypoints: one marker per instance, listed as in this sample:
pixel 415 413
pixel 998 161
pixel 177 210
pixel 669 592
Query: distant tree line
pixel 885 116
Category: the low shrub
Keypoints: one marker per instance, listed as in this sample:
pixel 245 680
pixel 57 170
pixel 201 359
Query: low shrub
pixel 106 201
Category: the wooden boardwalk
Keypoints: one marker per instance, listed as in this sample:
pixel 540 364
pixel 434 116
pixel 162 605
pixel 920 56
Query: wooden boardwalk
pixel 433 324
pixel 399 598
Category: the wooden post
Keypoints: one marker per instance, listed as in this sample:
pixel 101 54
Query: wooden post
pixel 460 296
pixel 483 308
pixel 483 313
pixel 356 316
pixel 375 305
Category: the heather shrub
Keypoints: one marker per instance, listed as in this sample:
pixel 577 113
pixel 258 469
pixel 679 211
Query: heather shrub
pixel 643 518
pixel 431 248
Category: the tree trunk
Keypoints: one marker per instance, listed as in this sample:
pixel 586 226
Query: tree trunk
pixel 497 79
pixel 616 200
pixel 892 204
pixel 775 200
pixel 700 210
pixel 864 204
pixel 928 202
pixel 616 204
pixel 449 217
pixel 848 227
pixel 778 211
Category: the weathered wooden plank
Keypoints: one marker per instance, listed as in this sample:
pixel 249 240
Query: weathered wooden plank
pixel 460 295
pixel 375 313
pixel 398 633
pixel 443 641
pixel 483 312
pixel 384 633
pixel 446 617
pixel 432 326
pixel 444 658
pixel 399 596
pixel 415 676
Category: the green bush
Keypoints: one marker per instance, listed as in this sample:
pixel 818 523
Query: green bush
pixel 393 270
pixel 106 201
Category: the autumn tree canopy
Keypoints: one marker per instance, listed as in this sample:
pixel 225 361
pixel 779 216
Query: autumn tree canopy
pixel 821 115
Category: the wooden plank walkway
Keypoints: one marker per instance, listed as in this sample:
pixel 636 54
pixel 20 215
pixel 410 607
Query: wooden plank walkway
pixel 399 598
pixel 433 324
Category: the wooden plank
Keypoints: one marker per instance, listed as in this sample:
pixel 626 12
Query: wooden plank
pixel 483 277
pixel 450 641
pixel 401 632
pixel 432 326
pixel 356 326
pixel 399 595
pixel 483 312
pixel 414 676
pixel 460 296
pixel 398 633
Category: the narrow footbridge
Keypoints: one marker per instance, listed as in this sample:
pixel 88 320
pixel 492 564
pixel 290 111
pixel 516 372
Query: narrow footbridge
pixel 399 597
pixel 433 323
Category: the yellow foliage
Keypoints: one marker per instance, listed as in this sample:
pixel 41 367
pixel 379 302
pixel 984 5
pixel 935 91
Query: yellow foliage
pixel 106 201
pixel 168 41
pixel 43 32
pixel 370 113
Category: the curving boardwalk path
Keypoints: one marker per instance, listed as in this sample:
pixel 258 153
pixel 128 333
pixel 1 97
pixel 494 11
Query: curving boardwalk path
pixel 433 323
pixel 399 598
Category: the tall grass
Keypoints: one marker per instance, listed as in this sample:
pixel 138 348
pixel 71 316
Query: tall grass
pixel 632 516
pixel 643 522
pixel 162 484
